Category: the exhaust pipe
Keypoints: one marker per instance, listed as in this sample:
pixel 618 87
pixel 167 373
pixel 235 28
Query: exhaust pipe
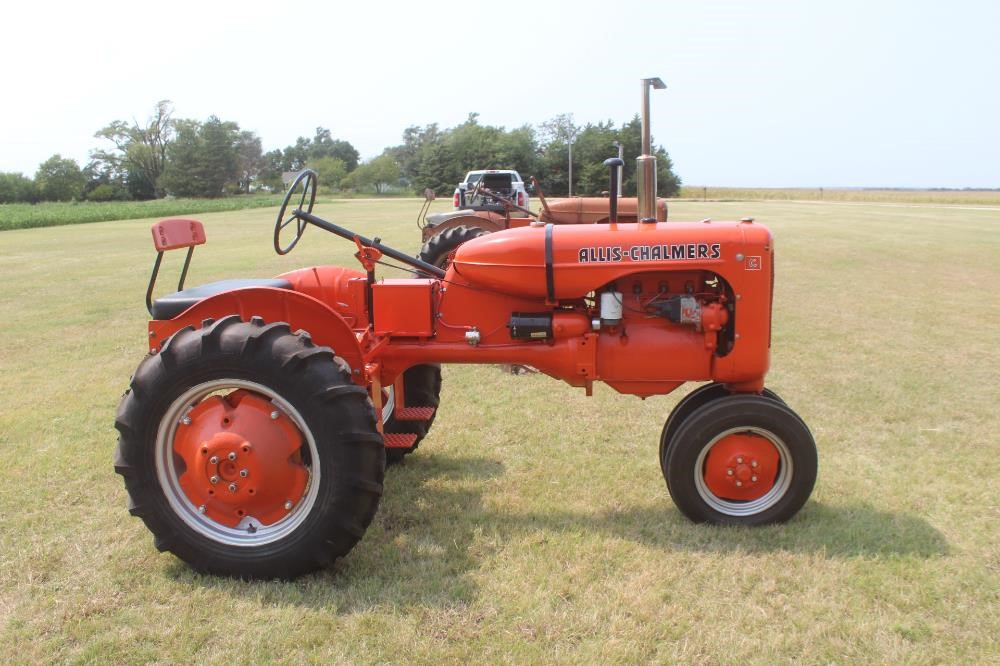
pixel 645 167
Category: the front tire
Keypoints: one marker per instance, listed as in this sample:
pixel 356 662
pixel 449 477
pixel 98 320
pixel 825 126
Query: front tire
pixel 248 452
pixel 439 247
pixel 741 460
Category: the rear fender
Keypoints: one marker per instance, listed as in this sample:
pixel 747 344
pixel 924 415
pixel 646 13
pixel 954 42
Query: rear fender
pixel 301 312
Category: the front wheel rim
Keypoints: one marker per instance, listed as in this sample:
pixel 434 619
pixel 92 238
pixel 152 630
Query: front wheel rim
pixel 171 468
pixel 779 485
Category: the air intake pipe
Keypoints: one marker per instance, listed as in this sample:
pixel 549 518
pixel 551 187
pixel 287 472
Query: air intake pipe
pixel 646 163
pixel 615 165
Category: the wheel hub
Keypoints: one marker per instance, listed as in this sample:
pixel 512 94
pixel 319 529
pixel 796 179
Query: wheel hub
pixel 741 467
pixel 242 460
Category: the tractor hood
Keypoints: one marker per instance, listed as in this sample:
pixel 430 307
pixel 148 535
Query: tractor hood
pixel 563 262
pixel 587 210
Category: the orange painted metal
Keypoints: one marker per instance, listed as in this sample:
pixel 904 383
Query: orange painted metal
pixel 239 460
pixel 720 272
pixel 741 467
pixel 177 233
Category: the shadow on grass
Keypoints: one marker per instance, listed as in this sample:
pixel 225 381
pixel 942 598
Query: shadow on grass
pixel 432 533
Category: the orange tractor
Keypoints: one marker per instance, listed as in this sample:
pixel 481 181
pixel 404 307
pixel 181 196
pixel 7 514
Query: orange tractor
pixel 255 434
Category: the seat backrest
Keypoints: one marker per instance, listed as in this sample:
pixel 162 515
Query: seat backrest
pixel 176 233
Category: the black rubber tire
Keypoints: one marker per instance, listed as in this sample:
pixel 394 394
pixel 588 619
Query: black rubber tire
pixel 438 247
pixel 700 396
pixel 337 415
pixel 421 388
pixel 797 475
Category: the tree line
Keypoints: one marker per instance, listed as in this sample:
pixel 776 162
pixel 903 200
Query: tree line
pixel 169 156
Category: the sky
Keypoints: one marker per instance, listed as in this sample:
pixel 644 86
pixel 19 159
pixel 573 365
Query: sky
pixel 759 94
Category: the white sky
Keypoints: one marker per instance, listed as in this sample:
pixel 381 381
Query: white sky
pixel 765 93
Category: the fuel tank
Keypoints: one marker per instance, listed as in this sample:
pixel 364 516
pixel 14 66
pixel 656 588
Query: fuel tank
pixel 563 262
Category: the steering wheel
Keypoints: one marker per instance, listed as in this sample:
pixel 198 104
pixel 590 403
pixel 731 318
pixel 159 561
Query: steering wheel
pixel 307 180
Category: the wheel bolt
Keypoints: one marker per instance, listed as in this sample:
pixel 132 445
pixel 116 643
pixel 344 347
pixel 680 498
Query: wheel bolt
pixel 232 455
pixel 729 472
pixel 739 461
pixel 739 483
pixel 275 415
pixel 753 478
pixel 232 487
pixel 201 509
pixel 214 460
pixel 753 463
pixel 214 480
pixel 244 473
pixel 186 420
pixel 288 505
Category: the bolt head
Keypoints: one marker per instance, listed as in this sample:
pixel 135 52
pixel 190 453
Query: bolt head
pixel 753 463
pixel 288 505
pixel 214 480
pixel 214 460
pixel 739 461
pixel 753 478
pixel 232 455
pixel 729 472
pixel 244 473
pixel 739 483
pixel 232 487
pixel 275 415
pixel 201 509
pixel 186 420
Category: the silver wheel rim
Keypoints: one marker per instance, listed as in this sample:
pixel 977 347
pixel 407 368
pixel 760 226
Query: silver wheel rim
pixel 389 406
pixel 249 532
pixel 750 507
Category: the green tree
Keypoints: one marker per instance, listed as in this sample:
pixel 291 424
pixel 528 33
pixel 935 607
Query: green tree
pixel 324 145
pixel 250 160
pixel 203 158
pixel 329 170
pixel 140 151
pixel 379 173
pixel 17 188
pixel 60 179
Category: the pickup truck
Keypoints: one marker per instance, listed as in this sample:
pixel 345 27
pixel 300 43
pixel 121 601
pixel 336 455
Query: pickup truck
pixel 473 193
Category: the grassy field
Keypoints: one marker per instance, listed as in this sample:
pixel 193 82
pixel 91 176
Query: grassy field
pixel 53 214
pixel 533 525
pixel 957 197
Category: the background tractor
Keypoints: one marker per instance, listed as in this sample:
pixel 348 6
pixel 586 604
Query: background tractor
pixel 255 433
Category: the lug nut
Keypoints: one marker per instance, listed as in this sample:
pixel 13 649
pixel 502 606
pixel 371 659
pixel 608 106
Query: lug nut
pixel 214 460
pixel 186 420
pixel 232 487
pixel 288 505
pixel 244 473
pixel 214 480
pixel 729 472
pixel 753 463
pixel 739 461
pixel 739 483
pixel 275 415
pixel 201 509
pixel 232 455
pixel 753 478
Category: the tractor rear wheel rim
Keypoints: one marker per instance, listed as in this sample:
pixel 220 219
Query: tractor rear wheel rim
pixel 170 467
pixel 782 480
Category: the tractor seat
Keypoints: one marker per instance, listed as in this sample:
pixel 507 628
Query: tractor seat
pixel 171 305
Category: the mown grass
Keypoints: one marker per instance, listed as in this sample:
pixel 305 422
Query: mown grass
pixel 533 526
pixel 855 195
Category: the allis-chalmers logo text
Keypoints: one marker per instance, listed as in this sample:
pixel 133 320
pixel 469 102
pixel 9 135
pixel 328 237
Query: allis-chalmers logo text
pixel 671 252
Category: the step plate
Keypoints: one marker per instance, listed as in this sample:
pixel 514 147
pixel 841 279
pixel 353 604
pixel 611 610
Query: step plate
pixel 414 413
pixel 399 440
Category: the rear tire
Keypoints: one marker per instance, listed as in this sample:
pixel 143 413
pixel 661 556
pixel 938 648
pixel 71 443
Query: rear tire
pixel 421 388
pixel 300 465
pixel 438 248
pixel 741 460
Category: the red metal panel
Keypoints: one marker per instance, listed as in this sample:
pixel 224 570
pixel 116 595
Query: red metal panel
pixel 404 308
